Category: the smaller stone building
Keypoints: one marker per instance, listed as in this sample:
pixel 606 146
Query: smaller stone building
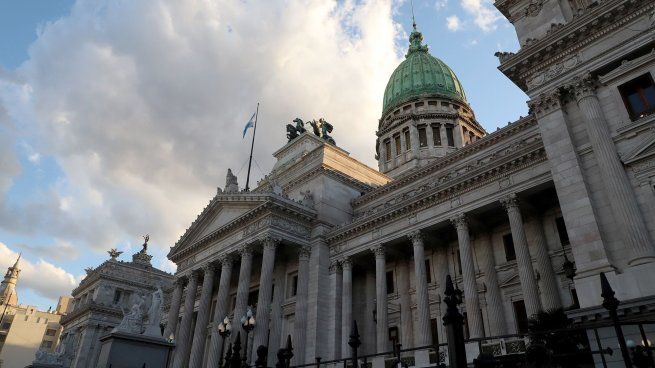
pixel 100 301
pixel 24 329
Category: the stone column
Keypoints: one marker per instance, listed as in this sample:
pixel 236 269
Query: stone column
pixel 618 189
pixel 220 312
pixel 476 328
pixel 430 137
pixel 183 340
pixel 174 311
pixel 413 132
pixel 549 290
pixel 265 293
pixel 346 306
pixel 394 153
pixel 382 163
pixel 497 324
pixel 335 311
pixel 244 287
pixel 300 319
pixel 405 301
pixel 424 335
pixel 523 260
pixel 275 333
pixel 382 326
pixel 441 273
pixel 200 334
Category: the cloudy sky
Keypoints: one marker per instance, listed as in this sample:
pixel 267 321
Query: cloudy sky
pixel 120 117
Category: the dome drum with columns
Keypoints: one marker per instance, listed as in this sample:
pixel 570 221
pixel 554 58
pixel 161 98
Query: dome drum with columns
pixel 425 114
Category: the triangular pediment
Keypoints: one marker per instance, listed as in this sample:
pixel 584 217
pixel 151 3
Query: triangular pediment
pixel 643 151
pixel 220 211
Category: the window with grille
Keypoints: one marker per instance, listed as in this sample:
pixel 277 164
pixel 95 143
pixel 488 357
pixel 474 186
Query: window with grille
pixel 408 142
pixel 436 134
pixel 449 136
pixel 422 136
pixel 639 96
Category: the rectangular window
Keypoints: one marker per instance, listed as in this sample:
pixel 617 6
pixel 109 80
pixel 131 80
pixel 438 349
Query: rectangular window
pixel 6 325
pixel 428 271
pixel 396 140
pixel 561 231
pixel 46 344
pixel 521 317
pixel 2 337
pixel 390 283
pixel 387 148
pixel 639 96
pixel 422 136
pixel 576 302
pixel 508 242
pixel 408 142
pixel 436 134
pixel 434 329
pixel 50 332
pixel 393 334
pixel 293 287
pixel 449 136
pixel 117 296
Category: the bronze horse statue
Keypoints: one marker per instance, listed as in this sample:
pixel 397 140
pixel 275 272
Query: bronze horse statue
pixel 294 131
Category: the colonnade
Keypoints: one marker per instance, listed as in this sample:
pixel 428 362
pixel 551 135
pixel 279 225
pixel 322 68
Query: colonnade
pixel 416 325
pixel 416 329
pixel 190 347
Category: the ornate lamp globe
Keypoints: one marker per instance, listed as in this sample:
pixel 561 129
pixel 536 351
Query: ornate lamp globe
pixel 225 327
pixel 248 321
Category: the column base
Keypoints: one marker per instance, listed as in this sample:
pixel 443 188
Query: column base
pixel 421 358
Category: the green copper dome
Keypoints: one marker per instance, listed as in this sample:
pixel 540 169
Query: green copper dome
pixel 420 75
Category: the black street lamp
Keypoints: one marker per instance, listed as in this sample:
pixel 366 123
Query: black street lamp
pixel 224 330
pixel 248 324
pixel 612 304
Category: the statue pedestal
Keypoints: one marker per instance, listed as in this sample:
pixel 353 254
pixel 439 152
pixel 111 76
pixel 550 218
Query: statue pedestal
pixel 126 350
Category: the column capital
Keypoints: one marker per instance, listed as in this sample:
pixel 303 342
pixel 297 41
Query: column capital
pixel 226 261
pixel 180 281
pixel 304 253
pixel 510 202
pixel 416 237
pixel 460 221
pixel 208 267
pixel 245 250
pixel 584 86
pixel 194 275
pixel 546 102
pixel 335 265
pixel 346 264
pixel 378 250
pixel 270 241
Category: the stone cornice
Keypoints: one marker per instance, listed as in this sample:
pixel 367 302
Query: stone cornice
pixel 457 156
pixel 443 188
pixel 386 127
pixel 88 308
pixel 269 201
pixel 326 170
pixel 103 272
pixel 274 206
pixel 567 39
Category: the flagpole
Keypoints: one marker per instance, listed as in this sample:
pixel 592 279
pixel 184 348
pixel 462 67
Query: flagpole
pixel 254 131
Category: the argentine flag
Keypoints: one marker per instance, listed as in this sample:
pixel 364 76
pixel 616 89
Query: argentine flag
pixel 249 124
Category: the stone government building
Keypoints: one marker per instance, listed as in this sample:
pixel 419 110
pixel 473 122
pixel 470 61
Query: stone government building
pixel 324 239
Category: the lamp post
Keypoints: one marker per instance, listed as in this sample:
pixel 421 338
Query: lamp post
pixel 248 324
pixel 224 330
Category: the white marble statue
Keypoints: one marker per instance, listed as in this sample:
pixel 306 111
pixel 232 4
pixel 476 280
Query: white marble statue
pixel 154 314
pixel 133 320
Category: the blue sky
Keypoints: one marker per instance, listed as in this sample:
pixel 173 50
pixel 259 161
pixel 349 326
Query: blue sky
pixel 111 128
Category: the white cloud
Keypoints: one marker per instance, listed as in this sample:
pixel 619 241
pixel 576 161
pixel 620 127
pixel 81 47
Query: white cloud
pixel 453 23
pixel 485 16
pixel 142 104
pixel 440 4
pixel 42 277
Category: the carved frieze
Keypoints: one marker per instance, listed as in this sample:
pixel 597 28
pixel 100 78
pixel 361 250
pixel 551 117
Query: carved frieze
pixel 552 72
pixel 534 8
